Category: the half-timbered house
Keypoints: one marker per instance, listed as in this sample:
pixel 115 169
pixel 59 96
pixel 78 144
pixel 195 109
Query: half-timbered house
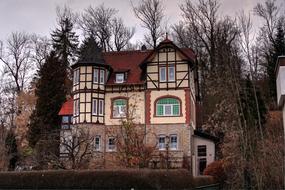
pixel 161 83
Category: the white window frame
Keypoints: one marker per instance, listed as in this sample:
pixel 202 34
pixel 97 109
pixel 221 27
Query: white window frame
pixel 109 149
pixel 76 106
pixel 171 107
pixel 122 109
pixel 95 75
pixel 94 107
pixel 164 144
pixel 97 146
pixel 120 77
pixel 160 74
pixel 170 143
pixel 76 76
pixel 169 68
pixel 102 77
pixel 101 107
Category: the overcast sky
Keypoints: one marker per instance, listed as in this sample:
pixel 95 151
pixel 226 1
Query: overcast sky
pixel 39 16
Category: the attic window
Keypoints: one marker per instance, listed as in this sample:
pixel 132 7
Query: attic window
pixel 120 77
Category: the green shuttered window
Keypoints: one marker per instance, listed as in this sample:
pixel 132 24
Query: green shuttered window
pixel 168 107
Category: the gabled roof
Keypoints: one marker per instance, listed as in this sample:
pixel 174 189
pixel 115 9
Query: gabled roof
pixel 67 108
pixel 187 52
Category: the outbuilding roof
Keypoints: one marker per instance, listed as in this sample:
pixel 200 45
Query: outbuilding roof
pixel 67 108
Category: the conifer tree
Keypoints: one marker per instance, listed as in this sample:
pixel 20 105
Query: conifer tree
pixel 51 91
pixel 65 41
pixel 12 149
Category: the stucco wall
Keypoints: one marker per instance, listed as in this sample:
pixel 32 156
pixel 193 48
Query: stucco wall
pixel 173 120
pixel 136 103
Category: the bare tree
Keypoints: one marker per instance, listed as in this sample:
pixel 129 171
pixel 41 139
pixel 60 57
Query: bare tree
pixel 98 23
pixel 16 59
pixel 76 148
pixel 121 33
pixel 41 47
pixel 151 14
pixel 269 12
pixel 133 152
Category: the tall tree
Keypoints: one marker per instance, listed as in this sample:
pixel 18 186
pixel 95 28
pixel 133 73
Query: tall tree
pixel 97 22
pixel 50 91
pixel 269 12
pixel 121 34
pixel 16 58
pixel 151 14
pixel 64 39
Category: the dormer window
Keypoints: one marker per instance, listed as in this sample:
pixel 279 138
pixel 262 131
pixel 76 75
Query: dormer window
pixel 120 77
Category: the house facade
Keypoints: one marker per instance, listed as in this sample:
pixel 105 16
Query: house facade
pixel 159 88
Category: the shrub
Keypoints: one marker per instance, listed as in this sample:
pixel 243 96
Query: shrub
pixel 216 169
pixel 100 179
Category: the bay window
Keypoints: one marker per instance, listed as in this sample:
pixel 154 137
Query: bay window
pixel 94 107
pixel 95 75
pixel 101 107
pixel 102 76
pixel 76 77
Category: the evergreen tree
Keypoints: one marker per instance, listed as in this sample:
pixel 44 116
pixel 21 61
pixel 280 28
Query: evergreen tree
pixel 12 149
pixel 51 91
pixel 65 41
pixel 278 49
pixel 90 51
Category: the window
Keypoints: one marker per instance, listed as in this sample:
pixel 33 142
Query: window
pixel 168 107
pixel 171 73
pixel 66 122
pixel 94 107
pixel 102 77
pixel 111 144
pixel 202 150
pixel 161 143
pixel 162 74
pixel 98 143
pixel 119 108
pixel 76 77
pixel 95 75
pixel 173 142
pixel 65 119
pixel 120 77
pixel 76 107
pixel 101 107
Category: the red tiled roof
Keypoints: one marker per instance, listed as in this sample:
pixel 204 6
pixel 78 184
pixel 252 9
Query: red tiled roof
pixel 126 61
pixel 130 61
pixel 67 108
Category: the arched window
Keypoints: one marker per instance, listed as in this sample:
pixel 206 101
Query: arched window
pixel 120 108
pixel 168 107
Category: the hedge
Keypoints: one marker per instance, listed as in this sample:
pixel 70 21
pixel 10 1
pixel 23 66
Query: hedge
pixel 102 179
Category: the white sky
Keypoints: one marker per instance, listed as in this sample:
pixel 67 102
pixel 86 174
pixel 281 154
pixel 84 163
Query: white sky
pixel 39 16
